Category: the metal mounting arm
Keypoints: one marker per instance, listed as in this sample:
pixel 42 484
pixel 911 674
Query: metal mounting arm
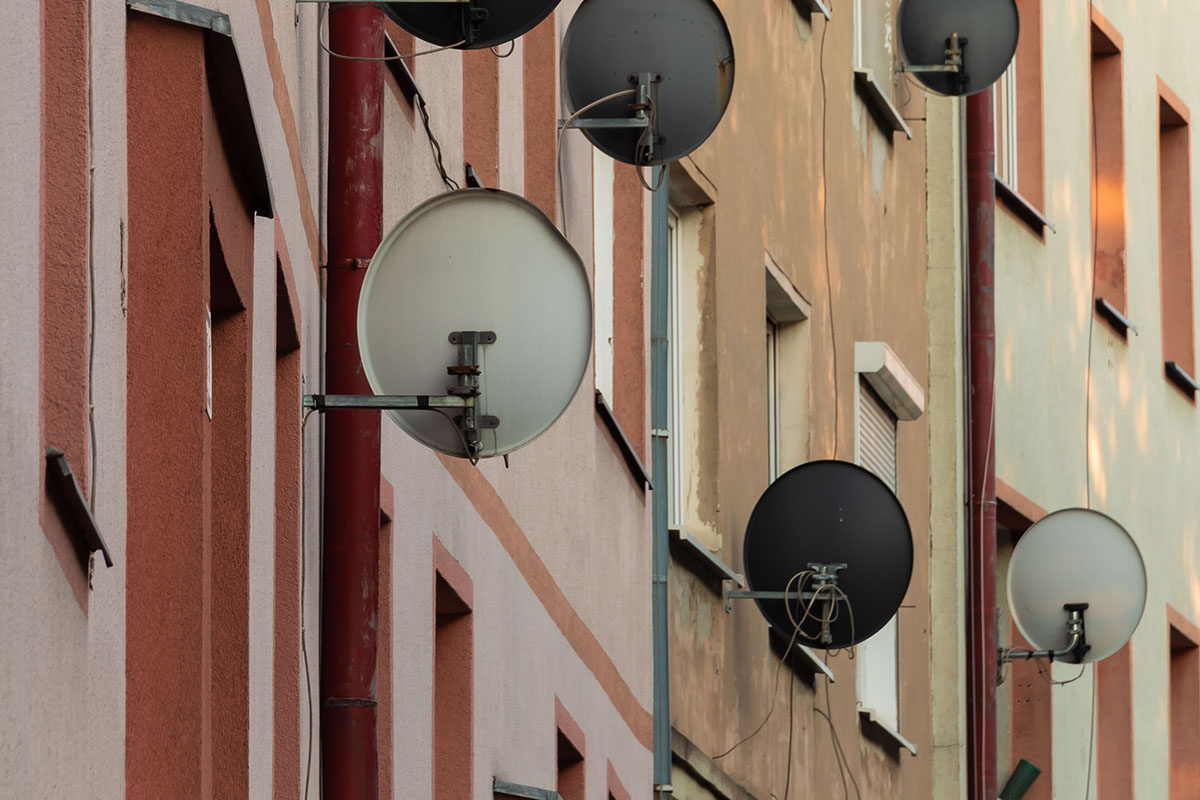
pixel 954 60
pixel 1076 648
pixel 823 575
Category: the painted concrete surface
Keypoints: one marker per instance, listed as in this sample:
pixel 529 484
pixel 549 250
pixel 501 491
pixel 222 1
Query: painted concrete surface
pixel 570 494
pixel 1142 471
pixel 765 162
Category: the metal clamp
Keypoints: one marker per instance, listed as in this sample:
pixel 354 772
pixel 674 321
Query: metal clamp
pixel 647 93
pixel 1077 648
pixel 954 60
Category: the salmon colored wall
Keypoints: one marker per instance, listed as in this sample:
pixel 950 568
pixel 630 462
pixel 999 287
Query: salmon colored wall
pixel 1114 726
pixel 65 216
pixel 481 114
pixel 1031 169
pixel 1184 708
pixel 167 437
pixel 191 247
pixel 1032 719
pixel 1108 187
pixel 383 654
pixel 1175 230
pixel 540 64
pixel 616 789
pixel 453 678
pixel 629 310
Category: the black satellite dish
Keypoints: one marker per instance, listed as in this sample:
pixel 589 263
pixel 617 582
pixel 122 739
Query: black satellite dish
pixel 980 34
pixel 684 48
pixel 477 23
pixel 835 519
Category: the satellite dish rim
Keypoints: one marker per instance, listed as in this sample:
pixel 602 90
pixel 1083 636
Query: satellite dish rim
pixel 859 637
pixel 1141 562
pixel 396 231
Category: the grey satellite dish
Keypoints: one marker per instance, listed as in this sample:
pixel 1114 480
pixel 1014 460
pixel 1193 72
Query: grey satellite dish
pixel 835 519
pixel 476 294
pixel 1076 564
pixel 477 23
pixel 678 51
pixel 958 46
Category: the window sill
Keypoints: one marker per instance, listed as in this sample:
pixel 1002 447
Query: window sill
pixel 1022 208
pixel 636 467
pixel 814 662
pixel 1118 321
pixel 882 108
pixel 1186 383
pixel 710 563
pixel 400 71
pixel 867 716
pixel 811 7
pixel 73 509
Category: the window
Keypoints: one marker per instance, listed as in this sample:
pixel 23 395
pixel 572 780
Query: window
pixel 1184 706
pixel 453 677
pixel 877 657
pixel 1019 120
pixel 1108 172
pixel 1175 239
pixel 787 358
pixel 874 40
pixel 887 393
pixel 772 401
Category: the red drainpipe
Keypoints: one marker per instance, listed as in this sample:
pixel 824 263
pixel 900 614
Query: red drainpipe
pixel 350 552
pixel 981 569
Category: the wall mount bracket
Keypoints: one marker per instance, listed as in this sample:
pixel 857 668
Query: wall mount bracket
pixel 1075 650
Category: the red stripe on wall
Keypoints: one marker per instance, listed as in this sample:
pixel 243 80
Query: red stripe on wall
pixel 481 114
pixel 167 436
pixel 64 221
pixel 491 509
pixel 540 66
pixel 629 310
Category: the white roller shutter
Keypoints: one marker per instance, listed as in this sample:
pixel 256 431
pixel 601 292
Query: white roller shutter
pixel 876 436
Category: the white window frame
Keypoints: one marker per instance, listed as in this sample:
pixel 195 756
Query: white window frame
pixel 772 354
pixel 602 270
pixel 863 57
pixel 675 431
pixel 1006 125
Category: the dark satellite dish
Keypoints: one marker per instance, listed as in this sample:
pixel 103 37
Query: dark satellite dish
pixel 830 513
pixel 478 23
pixel 982 34
pixel 685 48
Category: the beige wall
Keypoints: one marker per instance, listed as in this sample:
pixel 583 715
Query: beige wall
pixel 764 165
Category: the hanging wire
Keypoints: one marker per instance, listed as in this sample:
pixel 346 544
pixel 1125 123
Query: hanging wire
pixel 344 57
pixel 303 605
pixel 1087 389
pixel 1091 738
pixel 512 47
pixel 825 233
pixel 558 149
pixel 642 150
pixel 434 146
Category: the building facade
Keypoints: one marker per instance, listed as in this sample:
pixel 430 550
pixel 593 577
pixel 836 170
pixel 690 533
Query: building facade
pixel 165 166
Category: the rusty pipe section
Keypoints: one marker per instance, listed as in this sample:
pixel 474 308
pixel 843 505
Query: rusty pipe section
pixel 350 550
pixel 982 632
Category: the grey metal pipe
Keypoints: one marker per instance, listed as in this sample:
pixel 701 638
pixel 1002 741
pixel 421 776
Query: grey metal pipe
pixel 659 301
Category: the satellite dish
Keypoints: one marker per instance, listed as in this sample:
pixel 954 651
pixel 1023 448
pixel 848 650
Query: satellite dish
pixel 830 513
pixel 685 48
pixel 1075 557
pixel 477 261
pixel 477 23
pixel 985 31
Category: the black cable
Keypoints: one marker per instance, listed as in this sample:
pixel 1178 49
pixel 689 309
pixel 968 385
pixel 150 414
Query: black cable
pixel 787 783
pixel 1087 388
pixel 449 182
pixel 837 414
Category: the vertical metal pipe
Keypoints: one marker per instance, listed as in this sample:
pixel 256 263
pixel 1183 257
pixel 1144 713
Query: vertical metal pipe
pixel 659 300
pixel 350 549
pixel 981 564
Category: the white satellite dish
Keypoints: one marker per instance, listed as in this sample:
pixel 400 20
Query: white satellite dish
pixel 1077 563
pixel 475 297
